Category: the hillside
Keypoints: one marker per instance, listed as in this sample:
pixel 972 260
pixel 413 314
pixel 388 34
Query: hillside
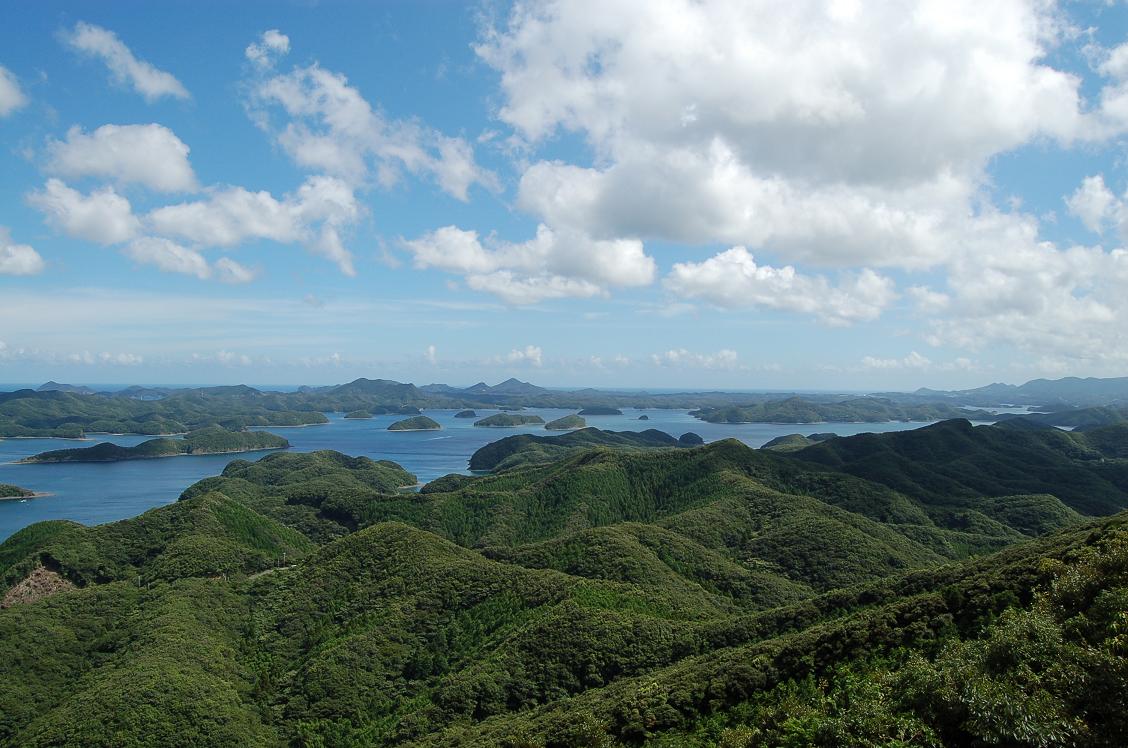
pixel 716 595
pixel 208 441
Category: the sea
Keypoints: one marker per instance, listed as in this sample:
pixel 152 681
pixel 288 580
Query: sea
pixel 93 493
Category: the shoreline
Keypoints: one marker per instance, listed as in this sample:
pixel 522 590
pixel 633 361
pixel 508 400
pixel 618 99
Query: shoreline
pixel 28 461
pixel 34 495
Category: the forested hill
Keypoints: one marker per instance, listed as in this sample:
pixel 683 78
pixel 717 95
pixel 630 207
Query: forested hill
pixel 705 596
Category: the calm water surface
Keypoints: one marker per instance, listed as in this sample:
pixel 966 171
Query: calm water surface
pixel 93 493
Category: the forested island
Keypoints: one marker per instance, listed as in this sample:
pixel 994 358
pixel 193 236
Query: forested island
pixel 597 410
pixel 418 423
pixel 855 410
pixel 867 590
pixel 358 415
pixel 566 423
pixel 465 414
pixel 208 441
pixel 507 420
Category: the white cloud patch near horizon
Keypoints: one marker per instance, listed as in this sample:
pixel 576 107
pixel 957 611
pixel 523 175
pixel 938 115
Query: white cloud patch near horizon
pixel 125 69
pixel 18 259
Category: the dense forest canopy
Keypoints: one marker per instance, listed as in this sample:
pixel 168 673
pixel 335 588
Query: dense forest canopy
pixel 943 586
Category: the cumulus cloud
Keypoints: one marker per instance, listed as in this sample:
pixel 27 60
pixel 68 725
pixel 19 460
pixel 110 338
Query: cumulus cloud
pixel 431 354
pixel 329 127
pixel 226 270
pixel 12 96
pixel 103 216
pixel 151 155
pixel 272 45
pixel 552 264
pixel 811 131
pixel 733 279
pixel 315 215
pixel 125 69
pixel 1098 208
pixel 18 259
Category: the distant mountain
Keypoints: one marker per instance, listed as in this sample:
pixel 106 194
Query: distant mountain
pixel 1055 393
pixel 58 387
pixel 385 388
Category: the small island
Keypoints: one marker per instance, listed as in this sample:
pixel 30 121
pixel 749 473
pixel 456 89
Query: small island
pixel 418 423
pixel 507 420
pixel 601 410
pixel 465 414
pixel 644 417
pixel 567 423
pixel 208 441
pixel 8 491
pixel 358 415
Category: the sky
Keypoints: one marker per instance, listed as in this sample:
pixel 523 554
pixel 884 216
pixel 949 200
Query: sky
pixel 738 194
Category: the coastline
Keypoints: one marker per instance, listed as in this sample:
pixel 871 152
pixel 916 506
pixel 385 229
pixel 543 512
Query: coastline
pixel 34 495
pixel 28 461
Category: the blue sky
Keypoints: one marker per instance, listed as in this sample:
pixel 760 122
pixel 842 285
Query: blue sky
pixel 667 194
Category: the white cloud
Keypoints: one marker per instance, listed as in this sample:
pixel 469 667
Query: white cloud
pixel 329 127
pixel 169 256
pixel 144 78
pixel 733 279
pixel 151 155
pixel 1097 208
pixel 227 270
pixel 12 96
pixel 103 216
pixel 912 361
pixel 265 52
pixel 17 259
pixel 431 354
pixel 821 136
pixel 725 358
pixel 315 215
pixel 530 354
pixel 553 264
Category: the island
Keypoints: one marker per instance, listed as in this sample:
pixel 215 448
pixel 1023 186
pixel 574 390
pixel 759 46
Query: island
pixel 507 420
pixel 465 414
pixel 852 410
pixel 8 491
pixel 358 415
pixel 600 410
pixel 567 423
pixel 690 439
pixel 644 417
pixel 209 441
pixel 417 423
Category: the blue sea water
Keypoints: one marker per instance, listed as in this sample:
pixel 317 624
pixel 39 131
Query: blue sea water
pixel 93 493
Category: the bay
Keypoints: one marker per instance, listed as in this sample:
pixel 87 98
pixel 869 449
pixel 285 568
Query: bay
pixel 93 493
